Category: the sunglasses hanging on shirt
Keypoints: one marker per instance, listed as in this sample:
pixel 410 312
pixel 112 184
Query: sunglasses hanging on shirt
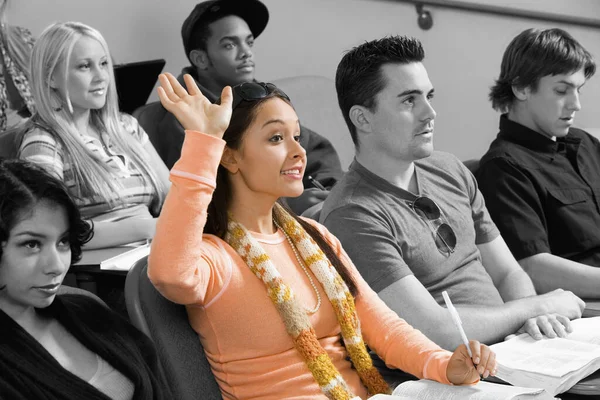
pixel 427 209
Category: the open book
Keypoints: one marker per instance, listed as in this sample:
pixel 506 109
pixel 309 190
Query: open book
pixel 431 390
pixel 553 364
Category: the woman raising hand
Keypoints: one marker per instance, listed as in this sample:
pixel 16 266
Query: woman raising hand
pixel 279 307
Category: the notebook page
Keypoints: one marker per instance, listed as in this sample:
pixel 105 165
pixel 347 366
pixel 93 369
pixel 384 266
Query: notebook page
pixel 553 357
pixel 430 390
pixel 586 330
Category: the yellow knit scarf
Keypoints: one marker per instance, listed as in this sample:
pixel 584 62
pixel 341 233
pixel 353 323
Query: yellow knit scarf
pixel 294 315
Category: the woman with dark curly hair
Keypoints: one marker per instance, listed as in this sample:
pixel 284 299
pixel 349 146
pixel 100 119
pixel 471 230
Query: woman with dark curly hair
pixel 66 346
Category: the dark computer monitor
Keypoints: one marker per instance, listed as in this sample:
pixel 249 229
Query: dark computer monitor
pixel 135 82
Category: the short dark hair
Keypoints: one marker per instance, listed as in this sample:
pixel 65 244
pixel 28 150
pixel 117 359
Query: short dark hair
pixel 359 78
pixel 23 185
pixel 536 53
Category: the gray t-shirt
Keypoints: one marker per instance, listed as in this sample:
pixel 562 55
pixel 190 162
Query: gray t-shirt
pixel 387 240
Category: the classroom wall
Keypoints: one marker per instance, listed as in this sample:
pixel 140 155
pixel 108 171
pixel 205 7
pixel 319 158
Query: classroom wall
pixel 463 49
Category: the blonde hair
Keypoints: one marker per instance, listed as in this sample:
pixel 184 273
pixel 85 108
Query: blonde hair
pixel 92 179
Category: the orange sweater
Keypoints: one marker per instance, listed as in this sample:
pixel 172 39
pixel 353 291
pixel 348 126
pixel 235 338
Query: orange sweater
pixel 244 338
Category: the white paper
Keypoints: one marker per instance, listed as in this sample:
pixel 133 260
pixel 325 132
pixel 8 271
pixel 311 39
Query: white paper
pixel 124 261
pixel 430 390
pixel 586 330
pixel 553 364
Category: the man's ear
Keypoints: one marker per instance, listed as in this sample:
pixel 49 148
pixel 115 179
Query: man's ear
pixel 199 59
pixel 521 93
pixel 229 160
pixel 360 117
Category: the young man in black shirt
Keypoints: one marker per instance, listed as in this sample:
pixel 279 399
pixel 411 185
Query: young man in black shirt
pixel 540 177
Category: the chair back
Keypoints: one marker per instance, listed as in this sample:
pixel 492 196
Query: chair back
pixel 315 101
pixel 181 355
pixel 149 117
pixel 472 164
pixel 65 289
pixel 8 144
pixel 313 212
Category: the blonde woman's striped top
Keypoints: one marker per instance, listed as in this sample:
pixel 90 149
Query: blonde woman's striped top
pixel 40 147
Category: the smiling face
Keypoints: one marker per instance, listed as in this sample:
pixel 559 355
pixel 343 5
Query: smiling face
pixel 270 162
pixel 401 123
pixel 229 52
pixel 35 259
pixel 87 75
pixel 550 108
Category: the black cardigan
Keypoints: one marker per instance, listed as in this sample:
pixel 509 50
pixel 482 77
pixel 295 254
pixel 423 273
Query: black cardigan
pixel 28 371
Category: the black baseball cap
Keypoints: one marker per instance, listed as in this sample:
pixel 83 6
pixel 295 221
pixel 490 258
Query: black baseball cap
pixel 254 12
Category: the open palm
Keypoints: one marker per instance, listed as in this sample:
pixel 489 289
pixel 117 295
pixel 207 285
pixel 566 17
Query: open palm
pixel 191 108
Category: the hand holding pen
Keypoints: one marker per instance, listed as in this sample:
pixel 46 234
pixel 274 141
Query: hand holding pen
pixel 471 359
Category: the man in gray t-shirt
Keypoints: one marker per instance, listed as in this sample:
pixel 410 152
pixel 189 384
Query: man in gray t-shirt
pixel 413 221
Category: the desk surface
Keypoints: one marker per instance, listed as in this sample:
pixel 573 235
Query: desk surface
pixel 91 259
pixel 587 386
pixel 592 308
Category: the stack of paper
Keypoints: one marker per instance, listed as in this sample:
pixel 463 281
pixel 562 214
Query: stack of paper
pixel 553 364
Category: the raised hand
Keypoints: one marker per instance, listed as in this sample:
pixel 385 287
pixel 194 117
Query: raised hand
pixel 191 108
pixel 462 369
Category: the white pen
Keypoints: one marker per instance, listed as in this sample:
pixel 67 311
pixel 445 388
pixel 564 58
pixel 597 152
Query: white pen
pixel 457 321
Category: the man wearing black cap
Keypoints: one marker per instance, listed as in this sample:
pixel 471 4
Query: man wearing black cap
pixel 218 37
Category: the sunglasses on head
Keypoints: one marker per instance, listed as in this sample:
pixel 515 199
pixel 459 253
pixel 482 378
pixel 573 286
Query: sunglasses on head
pixel 445 239
pixel 252 91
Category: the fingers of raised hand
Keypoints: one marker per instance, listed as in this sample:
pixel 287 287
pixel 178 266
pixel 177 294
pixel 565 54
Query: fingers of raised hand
pixel 227 97
pixel 190 83
pixel 178 90
pixel 167 81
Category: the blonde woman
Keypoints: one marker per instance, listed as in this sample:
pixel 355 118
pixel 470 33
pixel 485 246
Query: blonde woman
pixel 79 136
